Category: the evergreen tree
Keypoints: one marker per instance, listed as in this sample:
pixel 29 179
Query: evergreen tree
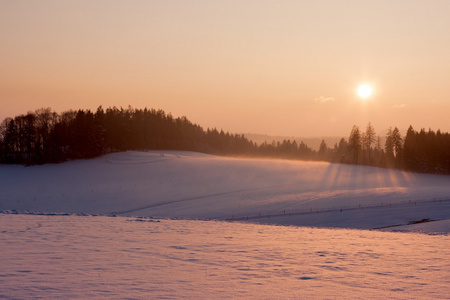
pixel 369 138
pixel 393 147
pixel 354 143
pixel 323 150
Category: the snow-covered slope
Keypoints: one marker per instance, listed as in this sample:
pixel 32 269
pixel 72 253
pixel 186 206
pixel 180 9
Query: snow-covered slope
pixel 174 184
pixel 67 257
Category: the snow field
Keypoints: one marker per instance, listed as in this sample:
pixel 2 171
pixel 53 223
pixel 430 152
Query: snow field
pixel 140 258
pixel 173 184
pixel 134 256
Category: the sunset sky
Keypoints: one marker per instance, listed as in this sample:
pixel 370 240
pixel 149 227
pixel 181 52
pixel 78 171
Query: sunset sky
pixel 270 67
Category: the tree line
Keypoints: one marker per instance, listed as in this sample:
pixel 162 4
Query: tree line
pixel 419 151
pixel 44 136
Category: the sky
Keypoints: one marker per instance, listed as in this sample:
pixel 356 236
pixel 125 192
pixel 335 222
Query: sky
pixel 270 67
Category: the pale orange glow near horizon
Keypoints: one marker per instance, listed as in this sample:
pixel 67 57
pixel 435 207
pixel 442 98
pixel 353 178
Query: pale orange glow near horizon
pixel 266 67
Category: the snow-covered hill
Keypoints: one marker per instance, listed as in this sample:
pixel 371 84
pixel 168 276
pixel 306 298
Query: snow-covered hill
pixel 138 257
pixel 190 185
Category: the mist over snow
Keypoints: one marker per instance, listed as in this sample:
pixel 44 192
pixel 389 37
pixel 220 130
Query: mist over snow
pixel 49 250
pixel 170 184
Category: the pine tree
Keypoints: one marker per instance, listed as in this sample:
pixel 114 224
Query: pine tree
pixel 369 138
pixel 354 143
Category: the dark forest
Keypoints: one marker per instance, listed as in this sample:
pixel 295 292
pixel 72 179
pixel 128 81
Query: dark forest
pixel 45 136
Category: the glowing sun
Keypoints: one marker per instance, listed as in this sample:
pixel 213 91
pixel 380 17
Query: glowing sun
pixel 364 91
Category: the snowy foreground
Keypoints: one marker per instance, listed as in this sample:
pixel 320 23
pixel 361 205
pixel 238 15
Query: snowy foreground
pixel 48 250
pixel 134 258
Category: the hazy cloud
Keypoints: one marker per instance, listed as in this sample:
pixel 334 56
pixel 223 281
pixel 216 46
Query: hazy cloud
pixel 403 105
pixel 323 99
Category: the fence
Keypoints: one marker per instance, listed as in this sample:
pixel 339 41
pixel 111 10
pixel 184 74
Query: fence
pixel 286 213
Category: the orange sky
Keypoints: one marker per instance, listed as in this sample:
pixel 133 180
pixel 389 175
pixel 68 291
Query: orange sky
pixel 271 67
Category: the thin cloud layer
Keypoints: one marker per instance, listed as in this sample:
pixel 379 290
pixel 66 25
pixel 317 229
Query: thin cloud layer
pixel 323 99
pixel 403 105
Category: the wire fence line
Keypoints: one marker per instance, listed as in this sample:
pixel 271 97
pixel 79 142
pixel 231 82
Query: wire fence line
pixel 287 213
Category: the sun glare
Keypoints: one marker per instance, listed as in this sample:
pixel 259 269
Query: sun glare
pixel 364 91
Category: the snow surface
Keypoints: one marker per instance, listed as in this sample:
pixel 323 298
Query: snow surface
pixel 144 253
pixel 90 257
pixel 190 185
